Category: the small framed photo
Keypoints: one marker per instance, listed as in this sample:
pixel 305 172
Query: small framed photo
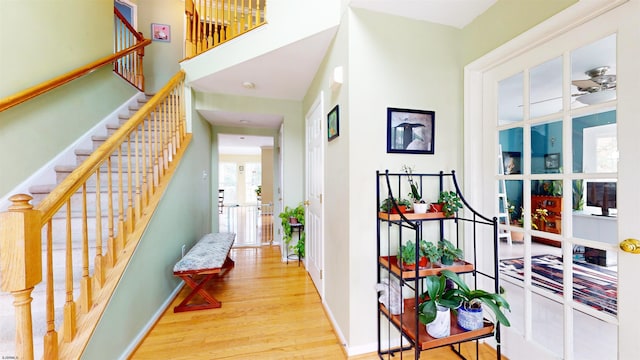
pixel 160 32
pixel 512 162
pixel 333 123
pixel 552 161
pixel 410 131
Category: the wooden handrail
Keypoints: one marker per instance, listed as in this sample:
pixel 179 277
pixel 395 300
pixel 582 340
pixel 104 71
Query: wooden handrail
pixel 49 85
pixel 51 204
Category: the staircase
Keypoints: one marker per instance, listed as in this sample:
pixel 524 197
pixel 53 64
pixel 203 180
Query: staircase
pixel 59 224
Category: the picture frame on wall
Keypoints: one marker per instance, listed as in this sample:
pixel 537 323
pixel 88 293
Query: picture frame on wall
pixel 410 131
pixel 333 123
pixel 161 32
pixel 512 161
pixel 552 161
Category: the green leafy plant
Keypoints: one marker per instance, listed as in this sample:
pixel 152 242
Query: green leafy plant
pixel 473 299
pixel 258 190
pixel 286 216
pixel 430 250
pixel 438 293
pixel 450 201
pixel 408 253
pixel 414 194
pixel 578 194
pixel 449 252
pixel 538 216
pixel 387 204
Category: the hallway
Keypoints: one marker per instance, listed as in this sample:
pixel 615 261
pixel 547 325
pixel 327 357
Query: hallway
pixel 270 310
pixel 263 303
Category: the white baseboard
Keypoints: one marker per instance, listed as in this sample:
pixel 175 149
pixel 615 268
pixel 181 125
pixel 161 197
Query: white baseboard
pixel 47 175
pixel 133 345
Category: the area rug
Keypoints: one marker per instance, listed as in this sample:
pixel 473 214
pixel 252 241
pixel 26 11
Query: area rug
pixel 593 285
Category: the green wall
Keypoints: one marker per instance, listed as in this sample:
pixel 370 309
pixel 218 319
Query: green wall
pixel 418 65
pixel 503 21
pixel 182 217
pixel 34 132
pixel 162 59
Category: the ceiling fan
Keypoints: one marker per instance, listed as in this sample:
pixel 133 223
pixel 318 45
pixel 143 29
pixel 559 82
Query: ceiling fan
pixel 598 88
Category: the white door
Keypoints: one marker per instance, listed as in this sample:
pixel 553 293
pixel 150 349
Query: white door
pixel 569 128
pixel 314 189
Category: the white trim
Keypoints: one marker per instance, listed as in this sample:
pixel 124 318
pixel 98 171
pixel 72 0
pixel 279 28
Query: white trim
pixel 47 174
pixel 134 11
pixel 133 345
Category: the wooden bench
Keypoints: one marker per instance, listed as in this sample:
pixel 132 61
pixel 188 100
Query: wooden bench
pixel 208 257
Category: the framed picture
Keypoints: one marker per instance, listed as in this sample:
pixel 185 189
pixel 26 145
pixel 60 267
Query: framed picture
pixel 410 131
pixel 512 161
pixel 160 32
pixel 333 123
pixel 552 161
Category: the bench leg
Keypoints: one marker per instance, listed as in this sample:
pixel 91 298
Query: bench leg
pixel 197 288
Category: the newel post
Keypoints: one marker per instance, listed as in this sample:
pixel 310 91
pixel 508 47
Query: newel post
pixel 21 265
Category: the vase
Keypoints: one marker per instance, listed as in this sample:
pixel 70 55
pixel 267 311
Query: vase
pixel 420 208
pixel 470 319
pixel 435 207
pixel 441 326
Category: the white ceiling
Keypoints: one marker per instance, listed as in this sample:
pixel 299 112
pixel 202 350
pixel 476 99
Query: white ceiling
pixel 290 69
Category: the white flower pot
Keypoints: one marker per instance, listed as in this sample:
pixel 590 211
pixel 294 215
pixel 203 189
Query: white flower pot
pixel 470 319
pixel 419 208
pixel 441 326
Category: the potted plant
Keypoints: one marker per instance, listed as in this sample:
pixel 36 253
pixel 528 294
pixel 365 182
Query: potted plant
pixel 434 312
pixel 419 205
pixel 450 201
pixel 258 190
pixel 449 252
pixel 407 257
pixel 470 311
pixel 288 217
pixel 387 205
pixel 430 251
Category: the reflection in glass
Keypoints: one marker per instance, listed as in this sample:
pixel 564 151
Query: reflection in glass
pixel 590 347
pixel 546 88
pixel 593 72
pixel 546 148
pixel 546 324
pixel 510 99
pixel 595 143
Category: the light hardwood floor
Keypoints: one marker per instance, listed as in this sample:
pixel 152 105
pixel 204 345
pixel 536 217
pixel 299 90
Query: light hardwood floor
pixel 270 310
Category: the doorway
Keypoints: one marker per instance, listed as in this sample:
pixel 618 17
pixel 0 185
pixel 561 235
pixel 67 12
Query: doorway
pixel 565 185
pixel 245 199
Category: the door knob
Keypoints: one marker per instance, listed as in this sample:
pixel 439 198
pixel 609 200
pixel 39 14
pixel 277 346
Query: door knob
pixel 307 203
pixel 630 246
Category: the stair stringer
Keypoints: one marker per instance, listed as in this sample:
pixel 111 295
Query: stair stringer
pixel 47 174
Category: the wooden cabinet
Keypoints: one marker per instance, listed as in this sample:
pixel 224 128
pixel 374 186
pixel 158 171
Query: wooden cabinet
pixel 553 205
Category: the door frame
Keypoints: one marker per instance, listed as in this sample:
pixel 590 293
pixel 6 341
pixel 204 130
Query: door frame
pixel 478 162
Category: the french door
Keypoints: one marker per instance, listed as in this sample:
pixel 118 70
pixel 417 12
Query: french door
pixel 559 124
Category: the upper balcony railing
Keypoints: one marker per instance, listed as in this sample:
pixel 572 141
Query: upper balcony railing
pixel 212 22
pixel 126 60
